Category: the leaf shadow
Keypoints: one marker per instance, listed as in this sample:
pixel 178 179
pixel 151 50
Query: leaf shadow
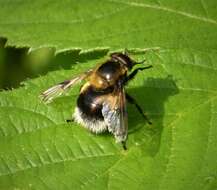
pixel 19 64
pixel 152 97
pixel 67 59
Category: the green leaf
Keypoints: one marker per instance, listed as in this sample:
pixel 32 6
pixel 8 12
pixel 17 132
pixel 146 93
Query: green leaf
pixel 39 150
pixel 109 23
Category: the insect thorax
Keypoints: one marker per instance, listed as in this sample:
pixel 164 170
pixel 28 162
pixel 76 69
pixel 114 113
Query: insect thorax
pixel 109 73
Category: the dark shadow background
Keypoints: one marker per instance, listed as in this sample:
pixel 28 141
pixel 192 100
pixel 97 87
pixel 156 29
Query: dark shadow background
pixel 18 64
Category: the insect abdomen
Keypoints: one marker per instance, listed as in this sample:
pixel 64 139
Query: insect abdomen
pixel 89 103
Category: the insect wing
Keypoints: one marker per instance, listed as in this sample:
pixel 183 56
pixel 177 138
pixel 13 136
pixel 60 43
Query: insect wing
pixel 115 116
pixel 121 134
pixel 59 89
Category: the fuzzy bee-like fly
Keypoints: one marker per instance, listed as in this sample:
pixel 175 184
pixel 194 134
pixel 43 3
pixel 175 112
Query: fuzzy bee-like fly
pixel 101 104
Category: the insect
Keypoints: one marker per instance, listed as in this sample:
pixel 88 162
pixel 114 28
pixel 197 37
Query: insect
pixel 101 104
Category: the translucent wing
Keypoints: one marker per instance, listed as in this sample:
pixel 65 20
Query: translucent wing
pixel 115 116
pixel 60 88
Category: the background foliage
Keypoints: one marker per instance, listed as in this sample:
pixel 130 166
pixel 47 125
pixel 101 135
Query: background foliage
pixel 38 150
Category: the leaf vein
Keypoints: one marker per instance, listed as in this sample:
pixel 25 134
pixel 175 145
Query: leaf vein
pixel 161 8
pixel 173 139
pixel 13 171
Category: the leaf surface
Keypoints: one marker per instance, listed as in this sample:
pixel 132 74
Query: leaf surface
pixel 39 150
pixel 109 23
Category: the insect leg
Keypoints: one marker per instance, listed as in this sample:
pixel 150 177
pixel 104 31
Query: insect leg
pixel 131 100
pixel 124 145
pixel 133 74
pixel 69 120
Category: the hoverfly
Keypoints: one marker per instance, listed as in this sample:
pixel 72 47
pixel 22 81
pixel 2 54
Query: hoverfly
pixel 101 104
